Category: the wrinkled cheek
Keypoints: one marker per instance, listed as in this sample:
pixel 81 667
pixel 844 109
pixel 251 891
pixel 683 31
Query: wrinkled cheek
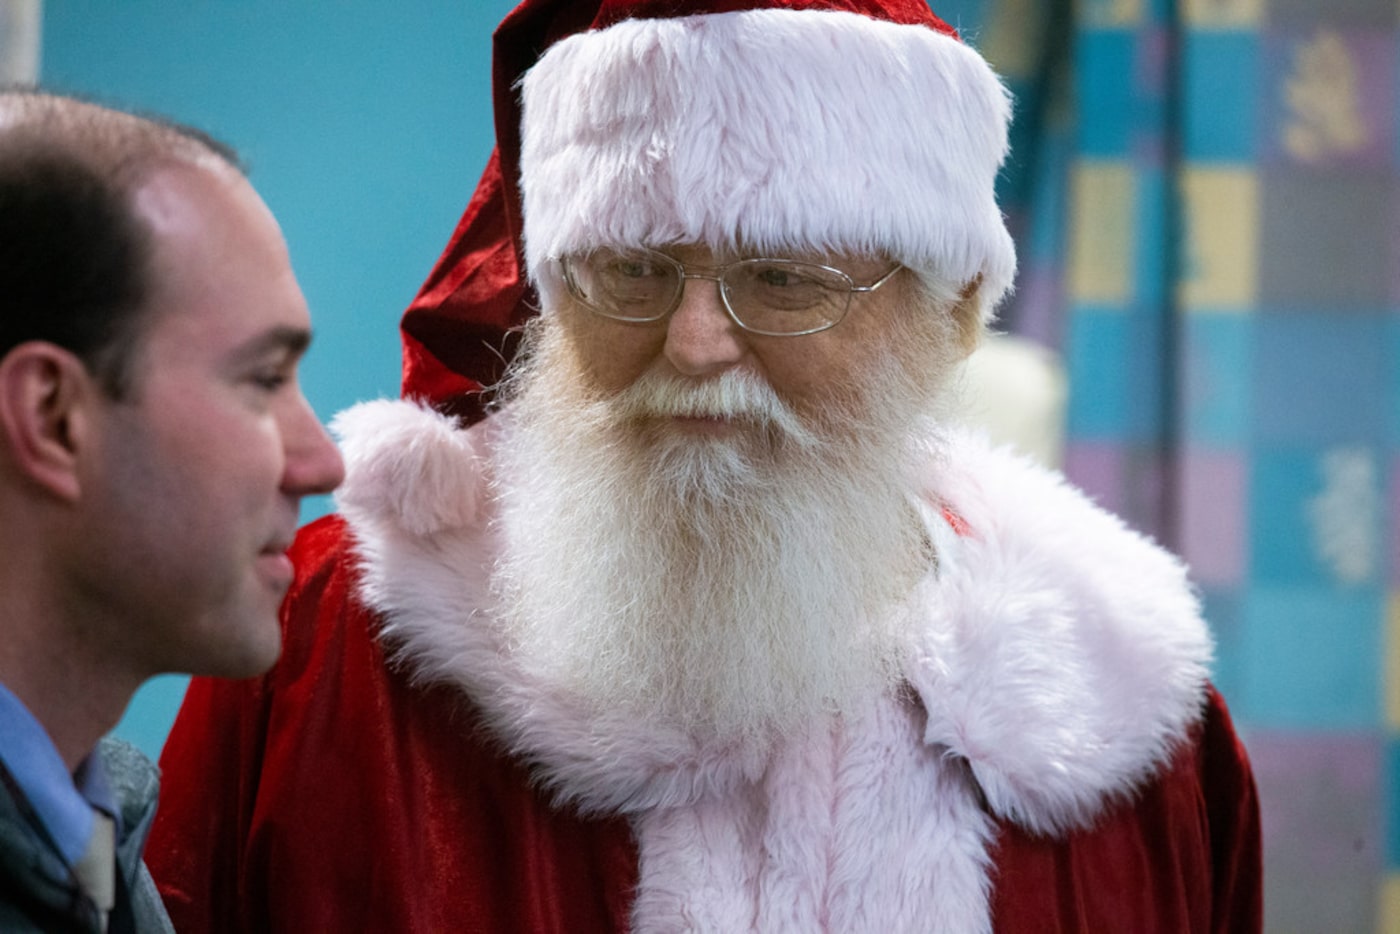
pixel 601 356
pixel 809 382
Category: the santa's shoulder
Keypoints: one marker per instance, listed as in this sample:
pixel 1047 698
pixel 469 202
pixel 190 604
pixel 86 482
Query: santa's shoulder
pixel 1061 653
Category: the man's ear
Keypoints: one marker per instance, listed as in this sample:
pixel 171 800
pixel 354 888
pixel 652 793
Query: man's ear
pixel 44 394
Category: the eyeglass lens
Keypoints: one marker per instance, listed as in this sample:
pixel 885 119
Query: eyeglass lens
pixel 773 295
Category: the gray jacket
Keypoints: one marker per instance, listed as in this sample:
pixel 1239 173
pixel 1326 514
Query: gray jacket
pixel 38 892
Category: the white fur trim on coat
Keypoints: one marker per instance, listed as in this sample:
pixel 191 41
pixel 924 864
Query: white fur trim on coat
pixel 1057 659
pixel 1064 654
pixel 771 129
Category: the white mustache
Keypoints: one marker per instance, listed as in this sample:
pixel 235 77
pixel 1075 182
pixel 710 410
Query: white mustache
pixel 732 394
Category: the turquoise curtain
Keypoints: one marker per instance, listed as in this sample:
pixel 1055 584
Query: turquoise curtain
pixel 1205 195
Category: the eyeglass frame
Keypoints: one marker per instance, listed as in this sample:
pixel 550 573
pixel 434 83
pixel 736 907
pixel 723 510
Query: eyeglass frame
pixel 717 276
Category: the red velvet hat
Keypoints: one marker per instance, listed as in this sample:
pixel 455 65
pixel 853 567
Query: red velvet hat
pixel 863 126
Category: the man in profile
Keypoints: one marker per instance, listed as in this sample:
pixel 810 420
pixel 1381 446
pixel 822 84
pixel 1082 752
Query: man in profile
pixel 713 623
pixel 154 447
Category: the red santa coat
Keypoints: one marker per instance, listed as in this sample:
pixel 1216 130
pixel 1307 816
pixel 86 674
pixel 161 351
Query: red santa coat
pixel 1058 762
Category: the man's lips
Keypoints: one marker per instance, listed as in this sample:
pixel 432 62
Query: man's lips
pixel 275 563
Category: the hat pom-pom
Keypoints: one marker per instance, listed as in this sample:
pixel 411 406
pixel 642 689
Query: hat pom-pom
pixel 408 464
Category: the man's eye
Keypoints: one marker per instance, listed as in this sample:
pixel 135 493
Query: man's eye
pixel 633 268
pixel 271 380
pixel 777 277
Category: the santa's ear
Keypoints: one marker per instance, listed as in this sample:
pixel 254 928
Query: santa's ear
pixel 44 394
pixel 968 314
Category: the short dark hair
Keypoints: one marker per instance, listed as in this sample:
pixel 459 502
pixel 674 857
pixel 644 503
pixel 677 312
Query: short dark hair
pixel 75 258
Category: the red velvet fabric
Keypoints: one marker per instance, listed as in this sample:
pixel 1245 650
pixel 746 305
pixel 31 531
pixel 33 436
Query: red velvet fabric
pixel 333 795
pixel 1182 856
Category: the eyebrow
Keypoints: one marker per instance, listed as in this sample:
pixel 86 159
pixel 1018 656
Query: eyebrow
pixel 291 340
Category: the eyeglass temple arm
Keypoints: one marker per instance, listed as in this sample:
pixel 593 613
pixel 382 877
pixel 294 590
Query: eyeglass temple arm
pixel 878 282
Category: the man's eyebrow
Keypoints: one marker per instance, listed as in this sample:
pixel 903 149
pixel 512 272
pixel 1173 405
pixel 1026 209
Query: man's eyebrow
pixel 284 339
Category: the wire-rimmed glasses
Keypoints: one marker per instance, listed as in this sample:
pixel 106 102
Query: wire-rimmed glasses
pixel 774 297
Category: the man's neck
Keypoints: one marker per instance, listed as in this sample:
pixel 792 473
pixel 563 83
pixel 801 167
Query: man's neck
pixel 70 685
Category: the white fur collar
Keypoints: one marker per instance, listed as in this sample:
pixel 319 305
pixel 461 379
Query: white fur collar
pixel 1062 658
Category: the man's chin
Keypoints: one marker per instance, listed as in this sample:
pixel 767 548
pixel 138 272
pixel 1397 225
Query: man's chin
pixel 253 660
pixel 250 647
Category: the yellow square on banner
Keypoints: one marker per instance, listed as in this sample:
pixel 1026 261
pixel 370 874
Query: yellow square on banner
pixel 1103 221
pixel 1111 14
pixel 1223 14
pixel 1220 262
pixel 1013 37
pixel 1388 910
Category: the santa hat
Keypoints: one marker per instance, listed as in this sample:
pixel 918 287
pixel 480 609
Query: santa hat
pixel 860 126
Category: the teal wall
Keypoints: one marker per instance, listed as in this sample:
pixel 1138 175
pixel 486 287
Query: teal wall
pixel 365 131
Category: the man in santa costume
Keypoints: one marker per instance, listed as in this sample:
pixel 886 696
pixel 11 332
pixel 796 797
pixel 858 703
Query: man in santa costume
pixel 710 624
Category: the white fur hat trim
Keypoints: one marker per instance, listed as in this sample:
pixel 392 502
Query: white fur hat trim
pixel 768 129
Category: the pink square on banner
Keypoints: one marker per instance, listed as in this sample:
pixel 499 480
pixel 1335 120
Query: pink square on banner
pixel 1097 469
pixel 1214 516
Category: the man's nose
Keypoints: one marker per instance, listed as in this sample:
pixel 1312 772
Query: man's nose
pixel 701 338
pixel 314 464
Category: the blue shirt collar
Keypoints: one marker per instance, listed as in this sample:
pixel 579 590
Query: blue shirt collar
pixel 63 802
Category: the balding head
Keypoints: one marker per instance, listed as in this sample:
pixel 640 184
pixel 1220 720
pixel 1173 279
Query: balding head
pixel 74 256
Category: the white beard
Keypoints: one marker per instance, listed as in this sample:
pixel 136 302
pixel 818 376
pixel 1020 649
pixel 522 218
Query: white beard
pixel 729 587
